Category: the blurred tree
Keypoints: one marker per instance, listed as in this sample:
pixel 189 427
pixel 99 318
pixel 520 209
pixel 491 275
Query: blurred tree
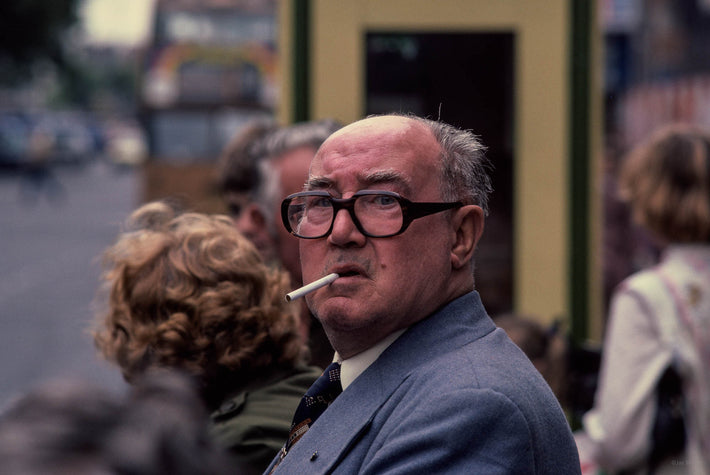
pixel 87 84
pixel 30 32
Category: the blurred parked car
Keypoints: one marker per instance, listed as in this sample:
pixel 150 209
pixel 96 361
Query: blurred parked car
pixel 68 137
pixel 15 131
pixel 65 137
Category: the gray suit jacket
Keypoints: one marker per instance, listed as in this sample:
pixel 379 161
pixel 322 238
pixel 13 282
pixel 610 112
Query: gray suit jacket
pixel 451 395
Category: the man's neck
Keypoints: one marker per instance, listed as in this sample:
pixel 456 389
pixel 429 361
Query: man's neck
pixel 352 367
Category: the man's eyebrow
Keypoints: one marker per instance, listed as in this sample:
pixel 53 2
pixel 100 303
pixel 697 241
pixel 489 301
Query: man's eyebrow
pixel 383 176
pixel 390 177
pixel 317 183
pixel 366 178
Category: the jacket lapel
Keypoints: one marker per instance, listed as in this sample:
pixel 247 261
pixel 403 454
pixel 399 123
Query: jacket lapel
pixel 342 424
pixel 350 415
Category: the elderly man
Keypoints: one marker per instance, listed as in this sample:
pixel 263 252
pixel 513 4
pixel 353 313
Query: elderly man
pixel 394 205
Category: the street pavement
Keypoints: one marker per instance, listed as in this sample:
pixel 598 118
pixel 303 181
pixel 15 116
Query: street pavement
pixel 53 228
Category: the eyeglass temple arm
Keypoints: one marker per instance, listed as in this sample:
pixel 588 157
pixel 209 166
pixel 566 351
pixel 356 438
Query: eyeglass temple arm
pixel 419 210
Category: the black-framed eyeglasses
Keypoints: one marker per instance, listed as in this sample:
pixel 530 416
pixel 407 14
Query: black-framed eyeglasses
pixel 376 213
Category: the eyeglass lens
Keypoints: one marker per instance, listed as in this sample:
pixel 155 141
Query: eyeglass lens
pixel 377 214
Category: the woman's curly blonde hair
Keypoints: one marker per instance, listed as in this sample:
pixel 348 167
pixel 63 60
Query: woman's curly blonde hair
pixel 187 290
pixel 666 181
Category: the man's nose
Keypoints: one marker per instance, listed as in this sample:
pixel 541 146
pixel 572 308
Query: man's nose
pixel 345 231
pixel 247 222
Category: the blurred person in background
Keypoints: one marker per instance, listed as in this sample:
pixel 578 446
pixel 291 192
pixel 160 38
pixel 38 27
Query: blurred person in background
pixel 238 177
pixel 73 427
pixel 188 291
pixel 38 176
pixel 652 407
pixel 258 168
pixel 544 346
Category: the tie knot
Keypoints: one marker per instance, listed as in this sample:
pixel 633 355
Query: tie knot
pixel 327 387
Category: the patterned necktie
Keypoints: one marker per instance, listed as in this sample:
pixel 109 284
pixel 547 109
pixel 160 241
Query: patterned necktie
pixel 325 389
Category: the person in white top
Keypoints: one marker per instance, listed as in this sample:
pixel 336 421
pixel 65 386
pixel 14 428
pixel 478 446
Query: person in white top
pixel 660 316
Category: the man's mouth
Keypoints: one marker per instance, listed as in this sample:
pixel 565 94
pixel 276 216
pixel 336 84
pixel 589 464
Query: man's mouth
pixel 349 269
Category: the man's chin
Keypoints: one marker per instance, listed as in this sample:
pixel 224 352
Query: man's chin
pixel 339 312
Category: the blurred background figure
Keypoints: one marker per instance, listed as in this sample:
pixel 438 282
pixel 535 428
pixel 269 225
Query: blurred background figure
pixel 258 169
pixel 188 291
pixel 658 332
pixel 75 427
pixel 544 346
pixel 239 177
pixel 38 176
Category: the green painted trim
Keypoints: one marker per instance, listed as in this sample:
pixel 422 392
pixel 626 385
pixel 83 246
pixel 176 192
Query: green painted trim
pixel 579 165
pixel 301 60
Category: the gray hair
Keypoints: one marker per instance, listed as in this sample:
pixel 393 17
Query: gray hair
pixel 465 168
pixel 267 191
pixel 287 138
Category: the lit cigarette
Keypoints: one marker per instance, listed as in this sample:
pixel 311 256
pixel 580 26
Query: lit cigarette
pixel 315 285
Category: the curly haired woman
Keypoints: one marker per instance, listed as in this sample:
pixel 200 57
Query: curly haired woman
pixel 188 291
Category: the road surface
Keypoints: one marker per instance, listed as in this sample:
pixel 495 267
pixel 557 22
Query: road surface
pixel 53 227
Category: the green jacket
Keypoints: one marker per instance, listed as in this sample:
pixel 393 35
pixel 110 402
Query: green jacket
pixel 254 423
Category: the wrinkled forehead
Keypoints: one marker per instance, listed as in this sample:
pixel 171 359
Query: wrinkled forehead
pixel 393 150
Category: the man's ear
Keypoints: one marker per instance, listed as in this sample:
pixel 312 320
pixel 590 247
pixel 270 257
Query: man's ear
pixel 467 225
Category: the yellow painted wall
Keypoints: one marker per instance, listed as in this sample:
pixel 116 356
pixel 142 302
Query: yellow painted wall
pixel 542 109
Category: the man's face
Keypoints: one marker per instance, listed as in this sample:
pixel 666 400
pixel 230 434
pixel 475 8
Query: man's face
pixel 270 237
pixel 250 221
pixel 388 283
pixel 292 168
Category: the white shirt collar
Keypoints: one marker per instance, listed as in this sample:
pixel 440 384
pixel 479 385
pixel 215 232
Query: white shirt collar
pixel 353 367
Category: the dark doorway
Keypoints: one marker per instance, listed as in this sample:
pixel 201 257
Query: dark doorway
pixel 465 79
